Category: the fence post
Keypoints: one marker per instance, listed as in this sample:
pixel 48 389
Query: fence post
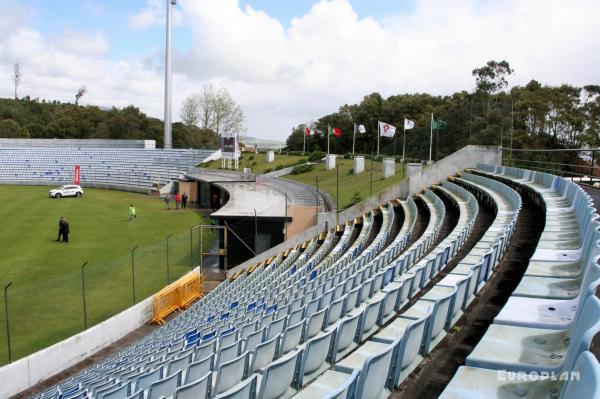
pixel 192 248
pixel 133 272
pixel 592 174
pixel 7 321
pixel 168 269
pixel 83 294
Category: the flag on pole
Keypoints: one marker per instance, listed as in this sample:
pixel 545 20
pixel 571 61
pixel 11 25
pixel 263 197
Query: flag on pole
pixel 386 130
pixel 336 131
pixel 408 124
pixel 438 124
pixel 361 129
pixel 309 131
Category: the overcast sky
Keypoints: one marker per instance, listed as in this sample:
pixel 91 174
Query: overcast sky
pixel 286 62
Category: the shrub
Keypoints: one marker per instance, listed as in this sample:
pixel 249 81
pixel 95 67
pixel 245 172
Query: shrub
pixel 316 156
pixel 253 163
pixel 301 161
pixel 268 170
pixel 348 155
pixel 356 198
pixel 251 157
pixel 302 169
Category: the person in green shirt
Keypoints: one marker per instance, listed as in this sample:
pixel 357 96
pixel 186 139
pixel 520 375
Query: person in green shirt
pixel 132 215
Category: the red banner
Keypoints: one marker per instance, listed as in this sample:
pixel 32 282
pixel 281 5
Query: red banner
pixel 76 179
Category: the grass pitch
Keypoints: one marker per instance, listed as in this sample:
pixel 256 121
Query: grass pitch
pixel 45 299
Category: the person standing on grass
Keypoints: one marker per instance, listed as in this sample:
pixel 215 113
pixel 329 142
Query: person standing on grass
pixel 66 230
pixel 61 228
pixel 132 215
pixel 184 199
pixel 167 202
pixel 177 200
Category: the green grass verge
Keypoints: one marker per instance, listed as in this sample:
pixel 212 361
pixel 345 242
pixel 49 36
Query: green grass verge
pixel 259 163
pixel 349 183
pixel 45 299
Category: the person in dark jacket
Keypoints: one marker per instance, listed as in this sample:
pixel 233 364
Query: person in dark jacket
pixel 184 199
pixel 63 230
pixel 61 223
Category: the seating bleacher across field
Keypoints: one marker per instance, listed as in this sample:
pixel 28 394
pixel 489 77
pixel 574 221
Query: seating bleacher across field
pixel 136 168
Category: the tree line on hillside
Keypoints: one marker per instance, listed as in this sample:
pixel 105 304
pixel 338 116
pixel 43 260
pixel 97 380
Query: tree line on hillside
pixel 26 118
pixel 530 116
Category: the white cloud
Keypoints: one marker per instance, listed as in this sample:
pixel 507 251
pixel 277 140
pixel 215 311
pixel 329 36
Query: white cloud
pixel 282 75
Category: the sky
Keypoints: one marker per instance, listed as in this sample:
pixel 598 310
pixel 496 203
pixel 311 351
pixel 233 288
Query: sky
pixel 288 62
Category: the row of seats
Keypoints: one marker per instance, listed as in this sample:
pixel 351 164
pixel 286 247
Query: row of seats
pixel 134 167
pixel 325 319
pixel 546 326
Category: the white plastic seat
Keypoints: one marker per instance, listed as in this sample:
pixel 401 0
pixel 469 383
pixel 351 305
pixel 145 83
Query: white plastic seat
pixel 374 362
pixel 198 369
pixel 290 339
pixel 330 385
pixel 277 379
pixel 198 389
pixel 534 349
pixel 264 354
pixel 345 336
pixel 580 381
pixel 165 387
pixel 315 355
pixel 230 373
pixel 244 390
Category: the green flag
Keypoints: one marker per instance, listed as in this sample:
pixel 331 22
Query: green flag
pixel 439 124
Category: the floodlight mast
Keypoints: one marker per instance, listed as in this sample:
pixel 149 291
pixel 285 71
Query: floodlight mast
pixel 168 139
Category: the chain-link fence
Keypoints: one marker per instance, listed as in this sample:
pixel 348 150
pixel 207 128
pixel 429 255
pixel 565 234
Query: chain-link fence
pixel 54 307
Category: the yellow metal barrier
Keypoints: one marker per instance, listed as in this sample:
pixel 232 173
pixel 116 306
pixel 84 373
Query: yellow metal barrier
pixel 190 289
pixel 176 296
pixel 164 303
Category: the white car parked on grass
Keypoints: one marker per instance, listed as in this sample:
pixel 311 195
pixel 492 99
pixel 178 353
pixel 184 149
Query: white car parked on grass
pixel 66 191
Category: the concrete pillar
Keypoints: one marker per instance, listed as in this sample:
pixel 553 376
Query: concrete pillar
pixel 330 162
pixel 359 165
pixel 270 156
pixel 247 171
pixel 412 168
pixel 389 167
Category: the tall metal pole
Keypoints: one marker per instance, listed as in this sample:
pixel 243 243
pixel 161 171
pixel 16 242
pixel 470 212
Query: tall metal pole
pixel 378 136
pixel 7 322
pixel 201 250
pixel 470 119
pixel 337 188
pixel 255 231
pixel 133 273
pixel 404 142
pixel 192 248
pixel 168 139
pixel 430 136
pixel 317 201
pixel 371 191
pixel 83 294
pixel 512 127
pixel 168 266
pixel 286 215
pixel 353 139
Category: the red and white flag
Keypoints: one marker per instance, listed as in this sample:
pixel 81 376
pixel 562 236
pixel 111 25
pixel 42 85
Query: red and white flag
pixel 386 130
pixel 308 131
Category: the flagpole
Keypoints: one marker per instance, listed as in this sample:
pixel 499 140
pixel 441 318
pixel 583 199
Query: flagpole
pixel 353 139
pixel 430 136
pixel 378 135
pixel 404 141
pixel 328 134
pixel 304 142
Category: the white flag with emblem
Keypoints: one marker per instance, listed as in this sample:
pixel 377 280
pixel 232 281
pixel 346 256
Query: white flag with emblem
pixel 361 129
pixel 408 124
pixel 386 130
